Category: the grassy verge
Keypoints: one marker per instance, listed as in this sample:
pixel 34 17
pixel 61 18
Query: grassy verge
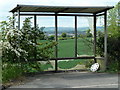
pixel 11 71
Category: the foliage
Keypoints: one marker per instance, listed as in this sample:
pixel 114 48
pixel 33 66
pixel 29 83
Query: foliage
pixel 72 37
pixel 11 38
pixel 99 33
pixel 88 63
pixel 113 49
pixel 62 38
pixel 81 35
pixel 88 34
pixel 21 44
pixel 33 67
pixel 64 35
pixel 11 71
pixel 113 40
pixel 52 37
pixel 114 67
pixel 46 66
pixel 113 19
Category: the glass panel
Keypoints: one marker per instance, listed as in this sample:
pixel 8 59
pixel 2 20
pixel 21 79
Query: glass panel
pixel 78 64
pixel 66 36
pixel 47 27
pixel 100 34
pixel 85 37
pixel 47 65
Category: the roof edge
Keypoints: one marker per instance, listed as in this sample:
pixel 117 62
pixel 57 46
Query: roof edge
pixel 21 5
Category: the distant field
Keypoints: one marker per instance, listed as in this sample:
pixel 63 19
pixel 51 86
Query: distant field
pixel 66 47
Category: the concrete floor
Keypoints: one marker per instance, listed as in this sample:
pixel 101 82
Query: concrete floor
pixel 71 80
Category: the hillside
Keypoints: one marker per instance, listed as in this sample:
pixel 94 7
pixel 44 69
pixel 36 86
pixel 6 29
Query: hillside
pixel 69 30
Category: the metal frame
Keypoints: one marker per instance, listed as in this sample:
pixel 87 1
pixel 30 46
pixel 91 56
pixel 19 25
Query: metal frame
pixel 105 39
pixel 35 25
pixel 95 38
pixel 94 15
pixel 75 36
pixel 56 39
pixel 13 19
pixel 18 19
pixel 22 14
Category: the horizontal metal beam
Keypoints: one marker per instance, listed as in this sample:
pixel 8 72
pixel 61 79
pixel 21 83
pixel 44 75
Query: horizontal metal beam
pixel 100 58
pixel 54 15
pixel 100 14
pixel 66 58
pixel 85 57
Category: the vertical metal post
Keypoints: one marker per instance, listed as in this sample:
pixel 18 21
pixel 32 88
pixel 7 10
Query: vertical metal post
pixel 105 39
pixel 35 24
pixel 18 19
pixel 19 29
pixel 95 38
pixel 13 20
pixel 56 39
pixel 75 36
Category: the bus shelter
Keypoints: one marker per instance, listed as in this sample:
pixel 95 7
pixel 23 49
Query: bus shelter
pixel 75 11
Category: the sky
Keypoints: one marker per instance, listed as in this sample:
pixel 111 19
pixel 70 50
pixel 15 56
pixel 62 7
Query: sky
pixel 7 5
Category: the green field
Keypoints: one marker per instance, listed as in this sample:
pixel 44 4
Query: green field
pixel 66 48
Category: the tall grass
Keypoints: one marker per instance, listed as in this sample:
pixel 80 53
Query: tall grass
pixel 11 71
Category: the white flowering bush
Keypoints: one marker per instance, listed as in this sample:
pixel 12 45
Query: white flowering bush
pixel 20 45
pixel 11 50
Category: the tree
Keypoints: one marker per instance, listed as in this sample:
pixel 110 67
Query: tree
pixel 64 35
pixel 99 33
pixel 113 19
pixel 88 34
pixel 20 44
pixel 113 48
pixel 52 37
pixel 41 32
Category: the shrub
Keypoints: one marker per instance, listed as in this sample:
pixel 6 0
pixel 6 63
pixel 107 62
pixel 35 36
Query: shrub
pixel 52 37
pixel 62 38
pixel 72 37
pixel 20 46
pixel 88 63
pixel 114 67
pixel 11 71
pixel 64 35
pixel 113 50
pixel 88 34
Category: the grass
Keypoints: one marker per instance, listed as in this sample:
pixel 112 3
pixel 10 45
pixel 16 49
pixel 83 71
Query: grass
pixel 66 49
pixel 68 64
pixel 10 71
